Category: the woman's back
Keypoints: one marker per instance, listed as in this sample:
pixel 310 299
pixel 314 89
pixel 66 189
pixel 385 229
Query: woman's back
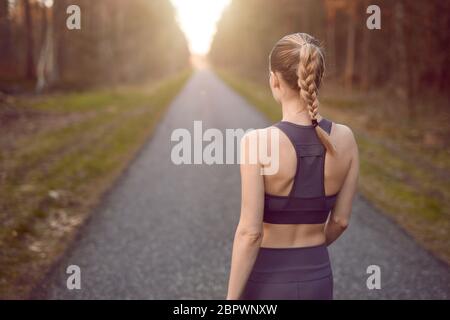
pixel 336 170
pixel 290 216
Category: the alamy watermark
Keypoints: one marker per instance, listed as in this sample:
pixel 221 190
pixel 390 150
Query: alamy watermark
pixel 213 147
pixel 73 22
pixel 74 280
pixel 374 20
pixel 374 280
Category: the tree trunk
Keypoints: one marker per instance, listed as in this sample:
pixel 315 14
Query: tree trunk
pixel 365 56
pixel 5 32
pixel 401 56
pixel 46 64
pixel 30 71
pixel 331 43
pixel 350 60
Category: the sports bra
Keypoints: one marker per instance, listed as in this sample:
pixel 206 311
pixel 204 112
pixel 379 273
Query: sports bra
pixel 306 202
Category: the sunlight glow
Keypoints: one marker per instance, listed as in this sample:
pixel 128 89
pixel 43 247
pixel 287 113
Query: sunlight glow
pixel 198 18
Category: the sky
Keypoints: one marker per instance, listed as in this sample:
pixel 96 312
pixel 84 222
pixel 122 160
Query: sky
pixel 198 18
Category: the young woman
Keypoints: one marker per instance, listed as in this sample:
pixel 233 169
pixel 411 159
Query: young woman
pixel 289 218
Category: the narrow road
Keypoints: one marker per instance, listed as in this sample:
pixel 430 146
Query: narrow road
pixel 165 231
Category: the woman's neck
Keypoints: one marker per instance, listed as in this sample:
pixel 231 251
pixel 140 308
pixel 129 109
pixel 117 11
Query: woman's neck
pixel 297 112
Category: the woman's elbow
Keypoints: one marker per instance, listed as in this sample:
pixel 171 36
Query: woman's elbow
pixel 253 237
pixel 341 222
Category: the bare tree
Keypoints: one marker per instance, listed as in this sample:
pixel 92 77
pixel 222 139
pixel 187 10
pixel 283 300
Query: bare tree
pixel 30 71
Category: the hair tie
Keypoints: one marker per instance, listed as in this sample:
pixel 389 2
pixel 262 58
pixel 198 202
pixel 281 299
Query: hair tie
pixel 314 122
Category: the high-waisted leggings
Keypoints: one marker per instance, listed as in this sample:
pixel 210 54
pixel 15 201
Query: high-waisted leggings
pixel 291 274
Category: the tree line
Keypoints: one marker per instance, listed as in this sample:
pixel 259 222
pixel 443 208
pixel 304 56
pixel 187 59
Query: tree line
pixel 408 56
pixel 119 42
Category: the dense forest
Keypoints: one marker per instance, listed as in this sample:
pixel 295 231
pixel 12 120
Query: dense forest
pixel 408 56
pixel 119 41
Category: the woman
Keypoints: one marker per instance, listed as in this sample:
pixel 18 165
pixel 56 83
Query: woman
pixel 289 218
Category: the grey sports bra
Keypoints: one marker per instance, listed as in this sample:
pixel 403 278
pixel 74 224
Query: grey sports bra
pixel 306 202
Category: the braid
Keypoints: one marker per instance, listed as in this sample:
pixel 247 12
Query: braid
pixel 310 71
pixel 299 59
pixel 307 78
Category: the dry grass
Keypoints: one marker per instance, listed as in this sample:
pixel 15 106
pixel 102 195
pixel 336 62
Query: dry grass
pixel 59 154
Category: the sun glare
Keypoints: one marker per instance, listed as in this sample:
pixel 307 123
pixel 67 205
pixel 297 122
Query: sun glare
pixel 198 18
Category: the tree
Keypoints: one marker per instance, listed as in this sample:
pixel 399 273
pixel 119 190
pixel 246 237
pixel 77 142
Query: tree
pixel 30 71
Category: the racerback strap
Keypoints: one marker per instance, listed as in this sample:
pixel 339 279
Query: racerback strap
pixel 309 176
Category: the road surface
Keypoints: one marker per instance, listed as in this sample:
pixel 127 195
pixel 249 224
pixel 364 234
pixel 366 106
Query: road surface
pixel 165 231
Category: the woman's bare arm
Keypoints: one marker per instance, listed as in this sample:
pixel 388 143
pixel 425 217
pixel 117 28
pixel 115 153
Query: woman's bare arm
pixel 249 232
pixel 340 215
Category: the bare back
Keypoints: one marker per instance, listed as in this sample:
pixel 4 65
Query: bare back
pixel 336 179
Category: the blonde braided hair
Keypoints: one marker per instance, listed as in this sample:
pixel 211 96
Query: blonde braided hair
pixel 299 59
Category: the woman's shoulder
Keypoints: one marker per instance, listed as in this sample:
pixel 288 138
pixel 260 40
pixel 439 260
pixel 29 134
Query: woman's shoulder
pixel 343 134
pixel 258 133
pixel 342 130
pixel 340 127
pixel 260 136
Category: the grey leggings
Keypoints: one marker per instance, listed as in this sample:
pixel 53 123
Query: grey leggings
pixel 290 274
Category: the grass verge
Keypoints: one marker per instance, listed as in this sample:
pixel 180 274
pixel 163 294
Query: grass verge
pixel 404 167
pixel 59 154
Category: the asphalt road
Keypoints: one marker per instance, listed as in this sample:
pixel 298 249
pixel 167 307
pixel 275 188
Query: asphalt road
pixel 165 231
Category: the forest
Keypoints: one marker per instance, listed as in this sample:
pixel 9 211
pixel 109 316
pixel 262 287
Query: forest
pixel 408 56
pixel 118 42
